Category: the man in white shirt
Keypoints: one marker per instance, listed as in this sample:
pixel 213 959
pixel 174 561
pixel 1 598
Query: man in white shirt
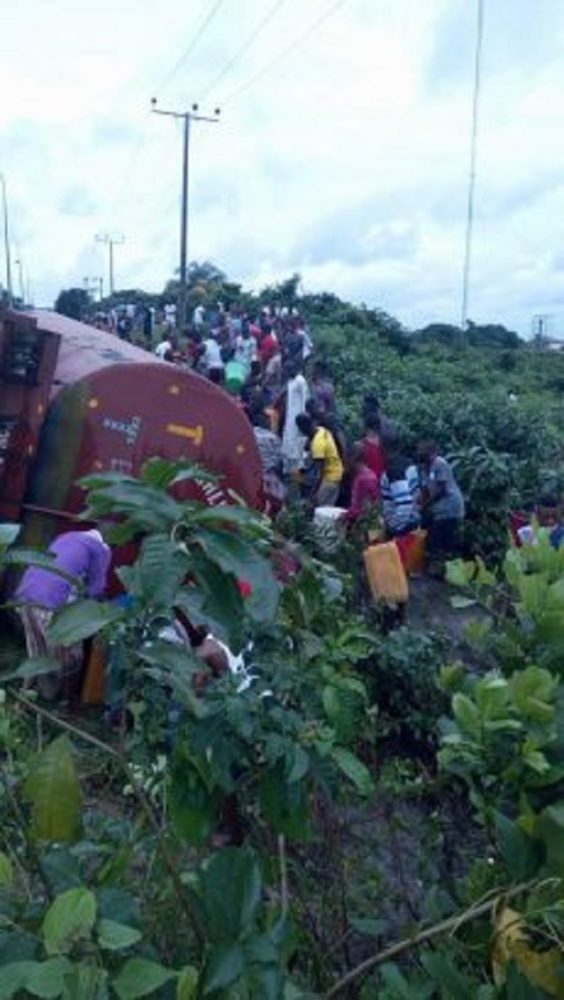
pixel 198 316
pixel 211 358
pixel 246 348
pixel 170 314
pixel 165 349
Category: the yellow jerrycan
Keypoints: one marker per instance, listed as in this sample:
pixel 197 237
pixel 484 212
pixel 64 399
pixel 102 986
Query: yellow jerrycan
pixel 386 574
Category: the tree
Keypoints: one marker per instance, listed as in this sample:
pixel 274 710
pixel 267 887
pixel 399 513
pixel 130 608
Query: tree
pixel 73 302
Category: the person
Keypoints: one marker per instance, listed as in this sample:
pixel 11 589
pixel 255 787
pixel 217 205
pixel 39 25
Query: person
pixel 198 316
pixel 82 556
pixel 272 379
pixel 170 315
pixel 270 449
pixel 329 420
pixel 294 402
pixel 211 359
pixel 148 319
pixel 268 345
pixel 442 503
pixel 365 491
pixel 371 408
pixel 165 350
pixel 293 346
pixel 124 326
pixel 307 342
pixel 399 489
pixel 322 388
pixel 326 465
pixel 245 348
pixel 371 444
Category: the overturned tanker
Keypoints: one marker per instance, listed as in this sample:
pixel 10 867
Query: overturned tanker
pixel 76 400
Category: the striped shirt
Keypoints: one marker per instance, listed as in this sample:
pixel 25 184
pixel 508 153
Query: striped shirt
pixel 400 510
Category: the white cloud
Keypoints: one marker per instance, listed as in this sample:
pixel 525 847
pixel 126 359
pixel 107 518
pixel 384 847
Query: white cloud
pixel 347 161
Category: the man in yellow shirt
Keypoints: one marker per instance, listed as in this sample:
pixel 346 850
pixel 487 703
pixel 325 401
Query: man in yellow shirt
pixel 326 462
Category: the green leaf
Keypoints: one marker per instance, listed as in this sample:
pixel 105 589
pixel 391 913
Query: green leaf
pixel 215 602
pixel 466 714
pixel 187 985
pixel 34 667
pixel 6 870
pixel 86 982
pixel 284 805
pixel 70 918
pixel 354 769
pixel 240 557
pixel 117 904
pixel 533 691
pixel 223 967
pixel 522 855
pixel 460 573
pixel 193 806
pixel 13 978
pixel 8 534
pixel 115 937
pixel 492 697
pixel 443 971
pixel 39 560
pixel 139 978
pixel 161 473
pixel 459 602
pixel 47 979
pixel 53 789
pixel 370 926
pixel 300 764
pixel 533 590
pixel 231 888
pixel 80 620
pixel 159 571
pixel 550 829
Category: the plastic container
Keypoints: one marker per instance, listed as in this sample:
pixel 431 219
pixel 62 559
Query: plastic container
pixel 94 685
pixel 328 528
pixel 386 574
pixel 235 377
pixel 412 550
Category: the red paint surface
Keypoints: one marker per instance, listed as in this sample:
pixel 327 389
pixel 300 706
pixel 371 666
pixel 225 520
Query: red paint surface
pixel 114 405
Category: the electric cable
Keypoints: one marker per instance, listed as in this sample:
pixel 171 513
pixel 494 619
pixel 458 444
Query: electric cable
pixel 193 43
pixel 286 51
pixel 244 48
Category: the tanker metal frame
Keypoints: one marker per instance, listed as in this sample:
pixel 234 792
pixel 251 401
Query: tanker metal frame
pixel 76 400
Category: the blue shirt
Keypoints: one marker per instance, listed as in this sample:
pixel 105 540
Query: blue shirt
pixel 398 501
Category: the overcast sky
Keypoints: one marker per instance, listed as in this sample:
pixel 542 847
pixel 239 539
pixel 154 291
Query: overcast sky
pixel 346 160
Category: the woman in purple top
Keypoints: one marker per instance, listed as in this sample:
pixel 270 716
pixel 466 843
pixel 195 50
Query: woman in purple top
pixel 83 556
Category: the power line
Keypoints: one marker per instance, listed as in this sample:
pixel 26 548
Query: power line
pixel 286 51
pixel 189 50
pixel 473 159
pixel 139 144
pixel 257 30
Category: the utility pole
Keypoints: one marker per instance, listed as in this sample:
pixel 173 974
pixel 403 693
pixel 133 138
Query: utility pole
pixel 473 158
pixel 6 239
pixel 19 265
pixel 111 242
pixel 187 117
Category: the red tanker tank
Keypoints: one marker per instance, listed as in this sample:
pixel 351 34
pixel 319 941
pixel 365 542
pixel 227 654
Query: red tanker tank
pixel 76 400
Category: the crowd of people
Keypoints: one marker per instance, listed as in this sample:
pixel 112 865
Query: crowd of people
pixel 267 362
